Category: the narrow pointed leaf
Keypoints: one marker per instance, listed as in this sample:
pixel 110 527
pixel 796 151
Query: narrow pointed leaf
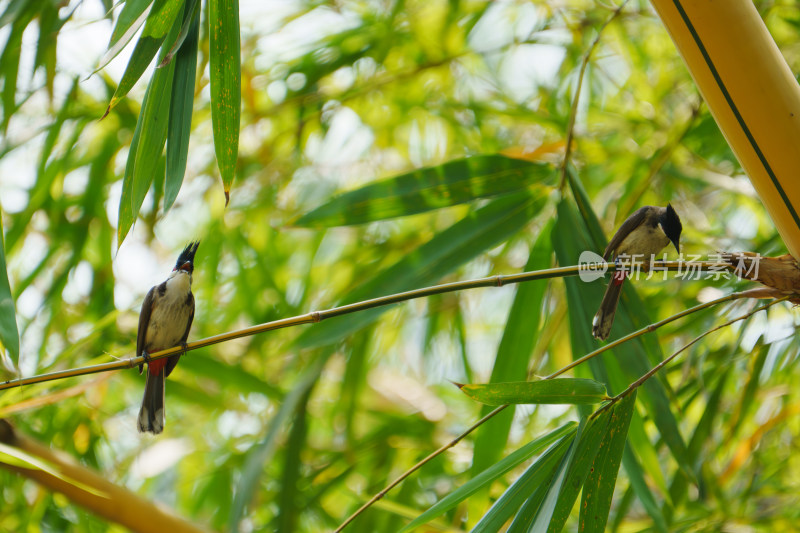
pixel 288 499
pixel 540 473
pixel 131 18
pixel 126 214
pixel 190 15
pixel 226 86
pixel 49 26
pixel 159 21
pixel 564 490
pixel 425 189
pixel 180 109
pixel 642 490
pixel 9 64
pixel 480 231
pixel 646 452
pixel 513 354
pixel 259 454
pixel 486 477
pixel 547 391
pixel 9 334
pixel 13 10
pixel 598 490
pixel 154 117
pixel 527 513
pixel 145 159
pixel 701 437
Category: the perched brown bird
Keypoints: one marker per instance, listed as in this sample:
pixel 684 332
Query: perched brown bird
pixel 643 235
pixel 164 322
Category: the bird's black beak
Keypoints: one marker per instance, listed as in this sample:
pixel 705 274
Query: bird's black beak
pixel 186 259
pixel 677 247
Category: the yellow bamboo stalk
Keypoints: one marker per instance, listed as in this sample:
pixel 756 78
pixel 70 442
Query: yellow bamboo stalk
pixel 89 489
pixel 751 93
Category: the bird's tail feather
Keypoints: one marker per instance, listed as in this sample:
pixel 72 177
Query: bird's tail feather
pixel 603 320
pixel 151 415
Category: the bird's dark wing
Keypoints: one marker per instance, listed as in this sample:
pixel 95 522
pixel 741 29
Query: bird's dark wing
pixel 172 360
pixel 630 224
pixel 144 320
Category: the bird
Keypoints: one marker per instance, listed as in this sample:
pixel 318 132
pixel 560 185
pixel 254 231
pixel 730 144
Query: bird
pixel 164 322
pixel 643 235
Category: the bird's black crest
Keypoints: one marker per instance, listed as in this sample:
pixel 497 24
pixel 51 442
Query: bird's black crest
pixel 672 225
pixel 187 255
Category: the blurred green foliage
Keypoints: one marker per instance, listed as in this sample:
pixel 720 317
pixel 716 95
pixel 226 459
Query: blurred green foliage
pixel 294 429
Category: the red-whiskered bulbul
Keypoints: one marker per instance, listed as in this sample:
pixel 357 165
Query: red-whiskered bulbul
pixel 164 322
pixel 643 235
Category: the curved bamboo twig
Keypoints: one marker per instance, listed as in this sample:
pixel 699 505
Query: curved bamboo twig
pixel 610 345
pixel 318 316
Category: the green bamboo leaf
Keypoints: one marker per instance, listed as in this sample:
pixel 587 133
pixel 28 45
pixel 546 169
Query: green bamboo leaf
pixel 354 382
pixel 145 160
pixel 159 22
pixel 126 214
pixel 232 377
pixel 260 454
pixel 747 401
pixel 546 391
pixel 646 452
pixel 598 490
pixel 485 478
pixel 153 135
pixel 511 363
pixel 226 86
pixel 289 510
pixel 429 188
pixel 9 334
pixel 130 19
pixel 539 474
pixel 480 231
pixel 527 513
pixel 563 492
pixel 703 432
pixel 180 109
pixel 9 62
pixel 642 490
pixel 50 23
pixel 13 10
pixel 190 16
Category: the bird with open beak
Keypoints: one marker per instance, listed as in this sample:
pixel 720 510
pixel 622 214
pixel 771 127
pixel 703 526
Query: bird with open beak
pixel 164 322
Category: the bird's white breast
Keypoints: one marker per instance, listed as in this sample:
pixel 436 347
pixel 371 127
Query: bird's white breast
pixel 644 241
pixel 170 314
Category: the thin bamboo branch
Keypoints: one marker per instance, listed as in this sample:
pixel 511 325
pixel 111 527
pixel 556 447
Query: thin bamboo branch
pixel 650 373
pixel 488 416
pixel 576 97
pixel 318 316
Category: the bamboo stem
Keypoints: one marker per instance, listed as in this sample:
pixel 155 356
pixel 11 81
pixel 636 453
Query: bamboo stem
pixel 318 316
